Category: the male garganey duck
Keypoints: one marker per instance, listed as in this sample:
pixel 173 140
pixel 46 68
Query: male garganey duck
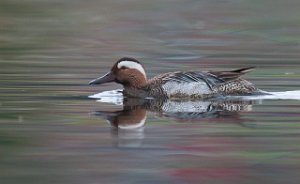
pixel 177 85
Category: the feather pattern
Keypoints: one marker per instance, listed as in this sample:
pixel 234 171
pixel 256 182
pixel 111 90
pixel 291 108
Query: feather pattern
pixel 202 84
pixel 230 75
pixel 191 77
pixel 196 85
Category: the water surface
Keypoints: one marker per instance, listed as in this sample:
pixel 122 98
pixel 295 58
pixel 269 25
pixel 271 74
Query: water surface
pixel 50 131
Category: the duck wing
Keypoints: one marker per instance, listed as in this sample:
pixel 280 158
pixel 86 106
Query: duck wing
pixel 211 78
pixel 230 75
pixel 187 77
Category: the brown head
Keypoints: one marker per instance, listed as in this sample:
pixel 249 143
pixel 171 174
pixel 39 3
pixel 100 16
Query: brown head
pixel 127 71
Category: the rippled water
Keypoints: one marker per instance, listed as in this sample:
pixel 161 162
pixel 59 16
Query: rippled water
pixel 51 132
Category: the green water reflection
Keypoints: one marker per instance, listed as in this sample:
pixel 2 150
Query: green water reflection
pixel 50 50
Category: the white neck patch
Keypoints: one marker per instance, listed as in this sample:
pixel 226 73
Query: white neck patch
pixel 133 65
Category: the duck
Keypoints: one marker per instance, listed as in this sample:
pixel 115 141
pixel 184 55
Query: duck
pixel 130 73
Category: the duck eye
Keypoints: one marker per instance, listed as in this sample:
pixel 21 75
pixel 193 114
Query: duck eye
pixel 124 67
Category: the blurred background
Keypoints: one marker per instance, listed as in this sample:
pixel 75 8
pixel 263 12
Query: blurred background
pixel 51 49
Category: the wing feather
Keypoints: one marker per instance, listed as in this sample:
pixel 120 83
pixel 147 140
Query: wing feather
pixel 187 77
pixel 211 78
pixel 231 75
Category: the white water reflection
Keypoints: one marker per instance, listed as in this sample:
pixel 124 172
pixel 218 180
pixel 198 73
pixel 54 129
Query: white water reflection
pixel 116 97
pixel 283 95
pixel 113 97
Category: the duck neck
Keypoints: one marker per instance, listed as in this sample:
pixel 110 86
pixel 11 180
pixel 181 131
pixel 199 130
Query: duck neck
pixel 135 92
pixel 136 83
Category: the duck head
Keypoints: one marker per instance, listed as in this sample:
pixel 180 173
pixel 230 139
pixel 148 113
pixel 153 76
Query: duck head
pixel 127 71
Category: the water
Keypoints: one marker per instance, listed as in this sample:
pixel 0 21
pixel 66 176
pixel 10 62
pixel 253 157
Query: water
pixel 51 132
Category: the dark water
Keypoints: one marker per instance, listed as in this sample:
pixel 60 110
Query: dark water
pixel 51 132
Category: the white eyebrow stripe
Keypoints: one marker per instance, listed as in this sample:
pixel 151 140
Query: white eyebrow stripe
pixel 133 65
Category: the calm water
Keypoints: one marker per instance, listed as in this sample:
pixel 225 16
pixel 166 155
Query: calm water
pixel 51 132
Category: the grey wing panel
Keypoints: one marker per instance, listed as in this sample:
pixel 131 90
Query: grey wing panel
pixel 187 77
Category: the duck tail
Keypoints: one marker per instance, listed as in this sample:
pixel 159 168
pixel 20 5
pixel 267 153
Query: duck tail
pixel 243 70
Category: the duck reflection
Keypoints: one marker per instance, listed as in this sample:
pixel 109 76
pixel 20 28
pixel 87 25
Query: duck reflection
pixel 134 111
pixel 128 123
pixel 131 117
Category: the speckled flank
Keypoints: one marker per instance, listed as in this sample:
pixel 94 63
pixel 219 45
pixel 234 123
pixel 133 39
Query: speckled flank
pixel 236 87
pixel 173 89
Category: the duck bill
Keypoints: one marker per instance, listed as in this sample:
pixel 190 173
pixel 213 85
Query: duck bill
pixel 109 77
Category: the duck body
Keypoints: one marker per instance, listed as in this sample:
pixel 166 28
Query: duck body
pixel 193 85
pixel 177 85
